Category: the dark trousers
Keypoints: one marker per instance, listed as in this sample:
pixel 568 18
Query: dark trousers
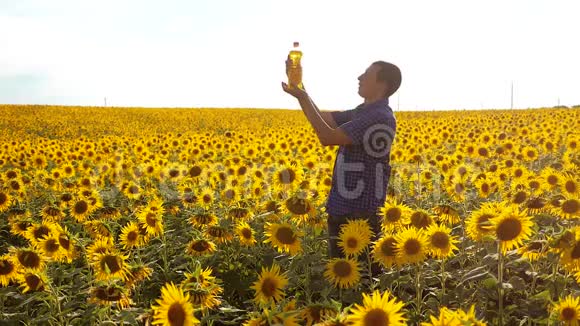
pixel 334 224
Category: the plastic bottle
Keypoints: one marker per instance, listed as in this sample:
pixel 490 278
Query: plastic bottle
pixel 295 69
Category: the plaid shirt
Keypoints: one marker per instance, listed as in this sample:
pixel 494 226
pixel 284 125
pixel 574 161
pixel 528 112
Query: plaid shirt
pixel 361 169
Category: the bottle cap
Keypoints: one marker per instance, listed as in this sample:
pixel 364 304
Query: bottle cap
pixel 296 44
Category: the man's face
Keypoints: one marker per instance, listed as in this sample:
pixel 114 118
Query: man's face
pixel 369 87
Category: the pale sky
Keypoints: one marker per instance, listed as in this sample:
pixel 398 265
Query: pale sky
pixel 220 53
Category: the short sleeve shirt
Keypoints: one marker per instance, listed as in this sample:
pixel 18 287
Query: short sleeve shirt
pixel 362 169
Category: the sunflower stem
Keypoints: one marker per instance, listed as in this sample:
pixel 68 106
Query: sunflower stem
pixel 369 262
pixel 500 280
pixel 418 291
pixel 442 281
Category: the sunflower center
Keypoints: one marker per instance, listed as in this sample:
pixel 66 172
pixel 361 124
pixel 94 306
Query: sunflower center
pixel 569 313
pixel 246 233
pixel 111 262
pixel 393 214
pixel 575 254
pixel 151 220
pixel 412 247
pixel 51 246
pixel 376 317
pixel 6 267
pixel 3 198
pixel 176 314
pixel 52 211
pixel 536 203
pixel 64 241
pixel 509 229
pixel 459 188
pixel 287 176
pixel 269 287
pixel 570 206
pixel 342 269
pixel 132 236
pixel 200 246
pixel 420 220
pixel 133 189
pixel 570 186
pixel 388 247
pixel 285 235
pixel 351 243
pixel 440 240
pixel 535 246
pixel 33 282
pixel 29 259
pixel 485 187
pixel 41 232
pixel 520 197
pixel 297 206
pixel 81 207
pixel 552 180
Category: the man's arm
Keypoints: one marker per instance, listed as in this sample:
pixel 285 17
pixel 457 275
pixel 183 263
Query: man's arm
pixel 325 128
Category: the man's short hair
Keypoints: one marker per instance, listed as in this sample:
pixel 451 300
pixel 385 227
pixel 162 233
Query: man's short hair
pixel 390 74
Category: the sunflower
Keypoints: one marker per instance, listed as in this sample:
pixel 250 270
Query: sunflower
pixel 412 245
pixel 533 250
pixel 377 309
pixel 535 205
pixel 440 241
pixel 315 313
pixel 50 247
pixel 200 247
pixel 394 215
pixel 37 232
pixel 569 247
pixel 130 237
pixel 31 281
pixel 570 185
pixel 206 298
pixel 200 277
pixel 270 285
pixel 245 234
pixel 569 208
pixel 354 237
pixel 199 220
pixel 385 250
pixel 152 220
pixel 468 317
pixel 174 308
pixel 219 233
pixel 568 310
pixel 299 206
pixel 19 226
pixel 205 198
pixel 446 318
pixel 8 269
pixel 138 273
pixel 447 214
pixel 52 213
pixel 421 219
pixel 283 237
pixel 106 295
pixel 5 200
pixel 550 178
pixel 287 175
pixel 132 190
pixel 512 227
pixel 478 224
pixel 29 259
pixel 110 266
pixel 80 209
pixel 343 272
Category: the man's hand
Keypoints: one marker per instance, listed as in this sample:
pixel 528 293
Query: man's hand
pixel 295 91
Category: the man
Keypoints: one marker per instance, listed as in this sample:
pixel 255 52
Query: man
pixel 364 136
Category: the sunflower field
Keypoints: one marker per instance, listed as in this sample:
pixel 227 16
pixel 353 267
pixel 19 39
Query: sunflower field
pixel 135 216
